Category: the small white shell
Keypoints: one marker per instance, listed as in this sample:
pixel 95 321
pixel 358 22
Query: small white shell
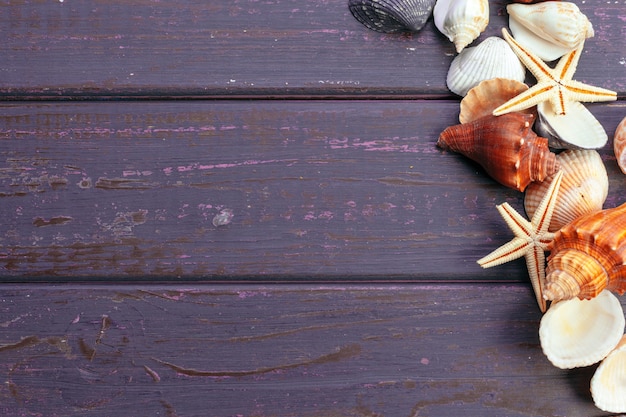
pixel 461 21
pixel 583 190
pixel 576 333
pixel 549 29
pixel 577 129
pixel 619 145
pixel 492 58
pixel 608 384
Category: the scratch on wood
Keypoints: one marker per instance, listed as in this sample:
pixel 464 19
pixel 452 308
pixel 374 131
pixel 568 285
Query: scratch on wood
pixel 342 353
pixel 25 342
pixel 123 184
pixel 86 350
pixel 40 222
pixel 155 376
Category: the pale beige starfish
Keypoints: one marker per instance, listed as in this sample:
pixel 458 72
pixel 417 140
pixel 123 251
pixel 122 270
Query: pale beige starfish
pixel 555 85
pixel 531 239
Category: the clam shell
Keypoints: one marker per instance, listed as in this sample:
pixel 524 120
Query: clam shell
pixel 608 384
pixel 492 58
pixel 392 16
pixel 549 29
pixel 619 145
pixel 587 256
pixel 505 146
pixel 576 333
pixel 461 21
pixel 583 190
pixel 484 98
pixel 577 129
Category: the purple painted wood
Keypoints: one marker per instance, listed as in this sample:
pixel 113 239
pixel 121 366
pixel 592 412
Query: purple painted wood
pixel 245 48
pixel 319 190
pixel 280 350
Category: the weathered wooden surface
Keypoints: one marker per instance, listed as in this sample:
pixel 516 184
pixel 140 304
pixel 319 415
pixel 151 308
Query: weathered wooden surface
pixel 280 350
pixel 329 187
pixel 251 48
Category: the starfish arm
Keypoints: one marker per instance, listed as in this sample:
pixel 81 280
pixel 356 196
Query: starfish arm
pixel 536 264
pixel 531 97
pixel 577 91
pixel 516 248
pixel 517 223
pixel 532 62
pixel 543 214
pixel 566 66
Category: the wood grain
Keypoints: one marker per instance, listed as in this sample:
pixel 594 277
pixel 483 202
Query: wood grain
pixel 285 48
pixel 319 190
pixel 280 350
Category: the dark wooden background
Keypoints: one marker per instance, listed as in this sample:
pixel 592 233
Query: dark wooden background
pixel 346 282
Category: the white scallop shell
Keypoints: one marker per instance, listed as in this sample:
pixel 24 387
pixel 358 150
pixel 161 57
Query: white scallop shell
pixel 492 58
pixel 549 29
pixel 461 21
pixel 577 129
pixel 608 384
pixel 576 333
pixel 584 187
pixel 619 145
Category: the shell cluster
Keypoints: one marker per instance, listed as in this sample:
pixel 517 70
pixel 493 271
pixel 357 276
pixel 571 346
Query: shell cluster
pixel 540 140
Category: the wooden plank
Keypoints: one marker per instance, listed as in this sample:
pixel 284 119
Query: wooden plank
pixel 245 48
pixel 320 190
pixel 301 350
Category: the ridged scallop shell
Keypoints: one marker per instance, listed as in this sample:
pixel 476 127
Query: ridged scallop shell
pixel 576 333
pixel 577 129
pixel 392 16
pixel 505 146
pixel 587 256
pixel 461 21
pixel 583 190
pixel 484 98
pixel 492 58
pixel 608 384
pixel 549 29
pixel 619 145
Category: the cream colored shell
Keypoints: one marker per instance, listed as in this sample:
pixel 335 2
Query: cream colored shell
pixel 549 29
pixel 619 145
pixel 492 58
pixel 583 190
pixel 461 21
pixel 576 333
pixel 608 384
pixel 576 129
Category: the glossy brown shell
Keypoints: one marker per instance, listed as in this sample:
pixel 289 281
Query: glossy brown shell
pixel 587 256
pixel 505 146
pixel 619 145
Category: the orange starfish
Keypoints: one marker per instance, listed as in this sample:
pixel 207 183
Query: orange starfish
pixel 531 239
pixel 553 85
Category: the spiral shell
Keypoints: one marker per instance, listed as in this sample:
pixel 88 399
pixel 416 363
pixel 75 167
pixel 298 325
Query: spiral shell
pixel 608 384
pixel 619 145
pixel 392 16
pixel 583 190
pixel 587 256
pixel 483 99
pixel 505 146
pixel 461 21
pixel 549 29
pixel 492 58
pixel 575 333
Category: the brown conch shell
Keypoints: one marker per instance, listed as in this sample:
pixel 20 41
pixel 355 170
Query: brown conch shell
pixel 505 146
pixel 619 145
pixel 583 190
pixel 587 256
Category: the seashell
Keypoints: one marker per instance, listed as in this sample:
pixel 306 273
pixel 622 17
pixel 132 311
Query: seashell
pixel 583 190
pixel 492 58
pixel 587 256
pixel 530 1
pixel 392 16
pixel 484 98
pixel 549 29
pixel 576 333
pixel 505 146
pixel 608 384
pixel 619 145
pixel 461 21
pixel 576 129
